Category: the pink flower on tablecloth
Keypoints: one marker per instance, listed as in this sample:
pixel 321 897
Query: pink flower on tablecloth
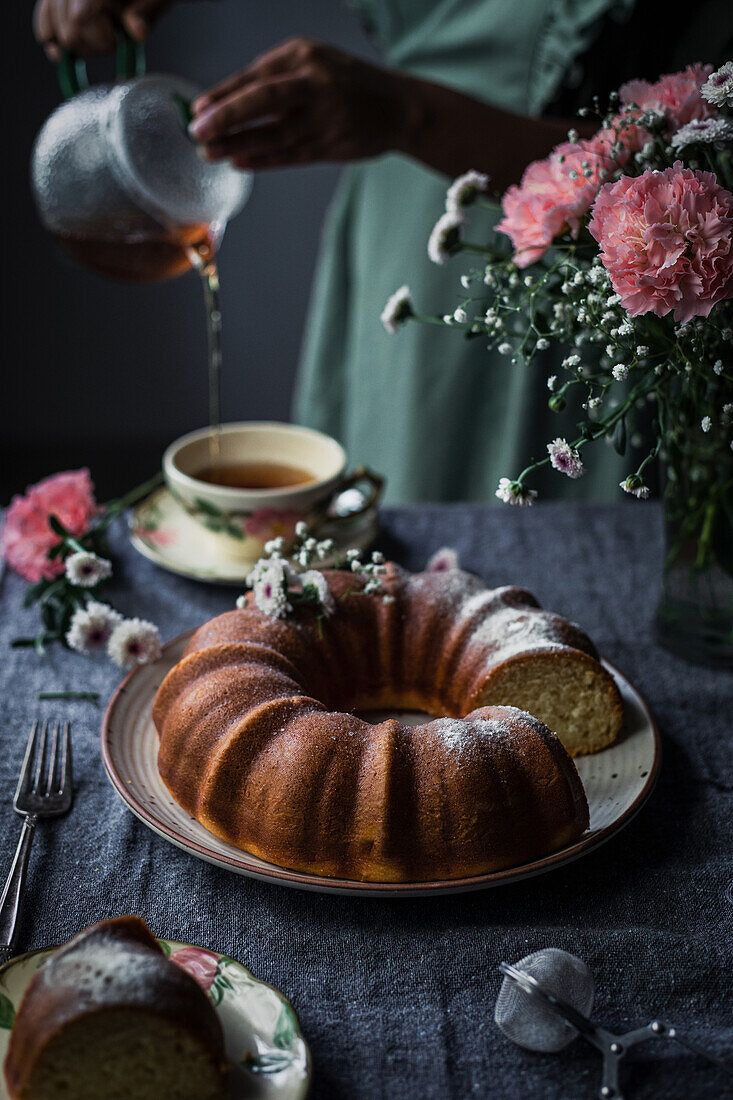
pixel 26 535
pixel 270 523
pixel 201 965
pixel 160 536
pixel 556 193
pixel 666 240
pixel 677 95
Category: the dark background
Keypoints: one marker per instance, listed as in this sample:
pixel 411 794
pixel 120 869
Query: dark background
pixel 106 374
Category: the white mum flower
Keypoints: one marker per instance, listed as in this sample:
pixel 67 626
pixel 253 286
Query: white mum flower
pixel 511 492
pixel 316 581
pixel 706 423
pixel 565 458
pixel 91 627
pixel 464 190
pixel 707 131
pixel 134 642
pixel 86 569
pixel 718 88
pixel 269 587
pixel 442 561
pixel 446 236
pixel 635 486
pixel 620 371
pixel 397 310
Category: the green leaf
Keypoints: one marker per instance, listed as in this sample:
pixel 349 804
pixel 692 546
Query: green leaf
pixel 619 437
pixel 82 696
pixel 285 1029
pixel 7 1012
pixel 57 526
pixel 34 591
pixel 165 947
pixel 206 508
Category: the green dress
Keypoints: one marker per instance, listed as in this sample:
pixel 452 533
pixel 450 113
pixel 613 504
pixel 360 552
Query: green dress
pixel 442 418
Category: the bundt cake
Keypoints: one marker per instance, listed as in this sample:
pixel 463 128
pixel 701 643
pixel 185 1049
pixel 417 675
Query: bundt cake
pixel 109 1017
pixel 257 741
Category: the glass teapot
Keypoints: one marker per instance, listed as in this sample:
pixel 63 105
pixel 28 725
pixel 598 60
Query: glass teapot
pixel 119 182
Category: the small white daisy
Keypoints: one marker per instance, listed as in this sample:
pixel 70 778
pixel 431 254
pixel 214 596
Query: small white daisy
pixel 91 627
pixel 718 88
pixel 464 190
pixel 269 587
pixel 565 458
pixel 705 131
pixel 442 561
pixel 134 642
pixel 635 486
pixel 445 238
pixel 86 569
pixel 397 310
pixel 511 492
pixel 319 585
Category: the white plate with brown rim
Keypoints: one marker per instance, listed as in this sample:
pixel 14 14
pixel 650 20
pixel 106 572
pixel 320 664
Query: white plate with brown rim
pixel 617 783
pixel 268 1056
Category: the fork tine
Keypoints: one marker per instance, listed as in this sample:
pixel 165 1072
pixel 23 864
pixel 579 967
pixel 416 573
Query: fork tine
pixel 66 779
pixel 53 759
pixel 24 780
pixel 40 754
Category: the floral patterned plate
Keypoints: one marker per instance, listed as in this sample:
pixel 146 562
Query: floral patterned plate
pixel 163 531
pixel 269 1056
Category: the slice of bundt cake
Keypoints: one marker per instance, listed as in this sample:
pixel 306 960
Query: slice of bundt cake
pixel 258 740
pixel 109 1017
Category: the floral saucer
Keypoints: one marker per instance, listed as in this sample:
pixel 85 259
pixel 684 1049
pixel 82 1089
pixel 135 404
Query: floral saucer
pixel 268 1054
pixel 162 530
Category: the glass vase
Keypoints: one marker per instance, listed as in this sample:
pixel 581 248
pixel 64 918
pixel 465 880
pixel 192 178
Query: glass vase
pixel 695 614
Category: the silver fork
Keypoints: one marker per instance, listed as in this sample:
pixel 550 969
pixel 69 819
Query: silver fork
pixel 45 789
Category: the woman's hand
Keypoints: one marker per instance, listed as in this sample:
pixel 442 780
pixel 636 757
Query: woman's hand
pixel 88 26
pixel 299 103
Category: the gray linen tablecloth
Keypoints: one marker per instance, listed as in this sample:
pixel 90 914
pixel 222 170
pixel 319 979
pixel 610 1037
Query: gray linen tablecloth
pixel 396 997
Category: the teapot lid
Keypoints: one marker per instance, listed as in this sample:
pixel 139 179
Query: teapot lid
pixel 159 164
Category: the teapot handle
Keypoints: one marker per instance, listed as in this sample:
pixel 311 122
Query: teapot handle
pixel 72 70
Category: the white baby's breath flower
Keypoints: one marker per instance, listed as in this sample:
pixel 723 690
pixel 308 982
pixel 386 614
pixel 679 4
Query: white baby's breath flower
pixel 275 546
pixel 718 88
pixel 542 344
pixel 511 492
pixel 269 587
pixel 91 626
pixel 445 238
pixel 242 603
pixel 319 585
pixel 706 423
pixel 504 348
pixel 460 316
pixel 551 381
pixel 301 529
pixel 86 569
pixel 635 486
pixel 397 310
pixel 718 366
pixel 705 131
pixel 134 642
pixel 620 371
pixel 442 561
pixel 565 458
pixel 464 191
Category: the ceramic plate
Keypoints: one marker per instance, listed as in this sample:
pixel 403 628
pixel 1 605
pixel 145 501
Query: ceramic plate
pixel 269 1056
pixel 617 782
pixel 162 530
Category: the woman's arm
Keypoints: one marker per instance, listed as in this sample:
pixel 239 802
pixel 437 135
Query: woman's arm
pixel 304 102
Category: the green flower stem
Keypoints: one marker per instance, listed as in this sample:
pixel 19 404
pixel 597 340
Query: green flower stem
pixel 115 507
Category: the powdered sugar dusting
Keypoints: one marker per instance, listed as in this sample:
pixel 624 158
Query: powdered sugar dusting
pixel 103 970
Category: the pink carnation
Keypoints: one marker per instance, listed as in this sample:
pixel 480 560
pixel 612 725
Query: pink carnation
pixel 555 195
pixel 27 537
pixel 677 95
pixel 666 240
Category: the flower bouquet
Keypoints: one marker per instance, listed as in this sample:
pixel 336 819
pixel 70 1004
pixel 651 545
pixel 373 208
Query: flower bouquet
pixel 619 246
pixel 55 538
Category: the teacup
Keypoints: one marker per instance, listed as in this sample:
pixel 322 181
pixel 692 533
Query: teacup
pixel 239 521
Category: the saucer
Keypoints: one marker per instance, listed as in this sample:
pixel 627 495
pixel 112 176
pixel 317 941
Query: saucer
pixel 268 1055
pixel 162 530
